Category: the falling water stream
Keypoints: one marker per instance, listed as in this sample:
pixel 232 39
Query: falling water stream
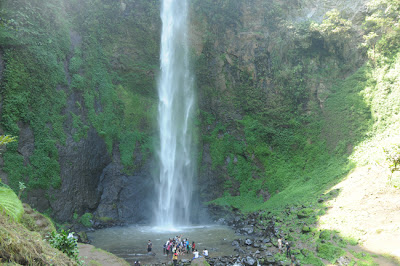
pixel 176 104
pixel 175 186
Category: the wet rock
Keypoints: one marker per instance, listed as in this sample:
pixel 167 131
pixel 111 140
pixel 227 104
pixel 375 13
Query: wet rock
pixel 221 221
pixel 115 186
pixel 256 245
pixel 271 260
pixel 248 242
pixel 266 240
pixel 239 250
pixel 247 230
pixel 250 261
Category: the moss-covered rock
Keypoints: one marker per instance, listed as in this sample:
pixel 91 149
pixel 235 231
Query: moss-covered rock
pixel 329 252
pixel 325 235
pixel 306 229
pixel 304 213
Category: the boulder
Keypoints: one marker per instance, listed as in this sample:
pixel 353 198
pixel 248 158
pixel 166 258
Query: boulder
pixel 248 242
pixel 250 261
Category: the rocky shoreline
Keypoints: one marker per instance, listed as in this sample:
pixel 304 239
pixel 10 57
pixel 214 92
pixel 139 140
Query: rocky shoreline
pixel 257 239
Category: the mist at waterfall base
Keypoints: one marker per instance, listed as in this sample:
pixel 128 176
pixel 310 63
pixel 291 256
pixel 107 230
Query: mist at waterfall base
pixel 175 120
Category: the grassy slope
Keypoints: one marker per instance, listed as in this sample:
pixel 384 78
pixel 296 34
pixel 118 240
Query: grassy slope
pixel 358 120
pixel 22 237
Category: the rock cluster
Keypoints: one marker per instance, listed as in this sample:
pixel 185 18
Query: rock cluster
pixel 257 245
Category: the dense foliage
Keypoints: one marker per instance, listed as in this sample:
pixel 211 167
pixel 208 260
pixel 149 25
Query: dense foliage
pixel 317 97
pixel 66 243
pixel 65 75
pixel 10 205
pixel 286 105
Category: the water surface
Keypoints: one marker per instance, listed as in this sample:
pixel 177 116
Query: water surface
pixel 130 242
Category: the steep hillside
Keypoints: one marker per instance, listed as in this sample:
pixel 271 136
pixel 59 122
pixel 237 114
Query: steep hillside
pixel 77 89
pixel 292 95
pixel 288 94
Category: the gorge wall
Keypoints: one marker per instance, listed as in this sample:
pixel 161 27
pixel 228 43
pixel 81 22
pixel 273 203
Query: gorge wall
pixel 278 84
pixel 78 90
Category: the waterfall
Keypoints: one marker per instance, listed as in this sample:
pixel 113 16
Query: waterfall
pixel 175 108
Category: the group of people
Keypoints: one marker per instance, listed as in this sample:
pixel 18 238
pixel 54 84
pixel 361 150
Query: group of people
pixel 177 246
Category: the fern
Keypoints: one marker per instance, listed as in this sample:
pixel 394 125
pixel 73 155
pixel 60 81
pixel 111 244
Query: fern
pixel 10 204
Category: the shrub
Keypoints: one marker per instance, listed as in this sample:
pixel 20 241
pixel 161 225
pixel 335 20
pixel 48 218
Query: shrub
pixel 325 235
pixel 85 219
pixel 65 242
pixel 329 252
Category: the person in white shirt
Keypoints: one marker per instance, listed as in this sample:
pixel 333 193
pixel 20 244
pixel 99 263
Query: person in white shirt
pixel 205 252
pixel 196 254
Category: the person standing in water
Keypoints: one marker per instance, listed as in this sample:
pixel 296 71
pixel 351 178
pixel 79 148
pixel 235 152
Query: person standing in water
pixel 149 246
pixel 175 258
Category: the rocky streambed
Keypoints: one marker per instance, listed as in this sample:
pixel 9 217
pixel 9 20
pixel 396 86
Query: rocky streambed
pixel 256 242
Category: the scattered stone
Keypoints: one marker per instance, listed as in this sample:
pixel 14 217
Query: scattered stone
pixel 247 230
pixel 235 243
pixel 266 240
pixel 306 229
pixel 343 261
pixel 250 261
pixel 248 242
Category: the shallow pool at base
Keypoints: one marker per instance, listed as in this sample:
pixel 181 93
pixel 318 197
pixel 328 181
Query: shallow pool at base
pixel 130 242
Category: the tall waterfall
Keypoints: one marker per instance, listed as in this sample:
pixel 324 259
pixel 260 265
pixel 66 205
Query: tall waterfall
pixel 176 104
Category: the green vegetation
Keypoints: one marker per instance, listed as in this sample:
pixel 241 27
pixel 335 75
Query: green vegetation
pixel 64 76
pixel 85 219
pixel 6 139
pixel 328 110
pixel 22 234
pixel 66 244
pixel 21 246
pixel 329 252
pixel 10 205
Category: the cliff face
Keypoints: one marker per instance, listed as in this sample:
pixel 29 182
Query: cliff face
pixel 280 105
pixel 78 90
pixel 264 71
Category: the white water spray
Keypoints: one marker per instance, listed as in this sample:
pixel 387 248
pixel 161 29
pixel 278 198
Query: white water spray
pixel 176 104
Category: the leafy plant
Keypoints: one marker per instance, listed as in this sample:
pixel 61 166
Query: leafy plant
pixel 393 158
pixel 85 219
pixel 65 242
pixel 10 204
